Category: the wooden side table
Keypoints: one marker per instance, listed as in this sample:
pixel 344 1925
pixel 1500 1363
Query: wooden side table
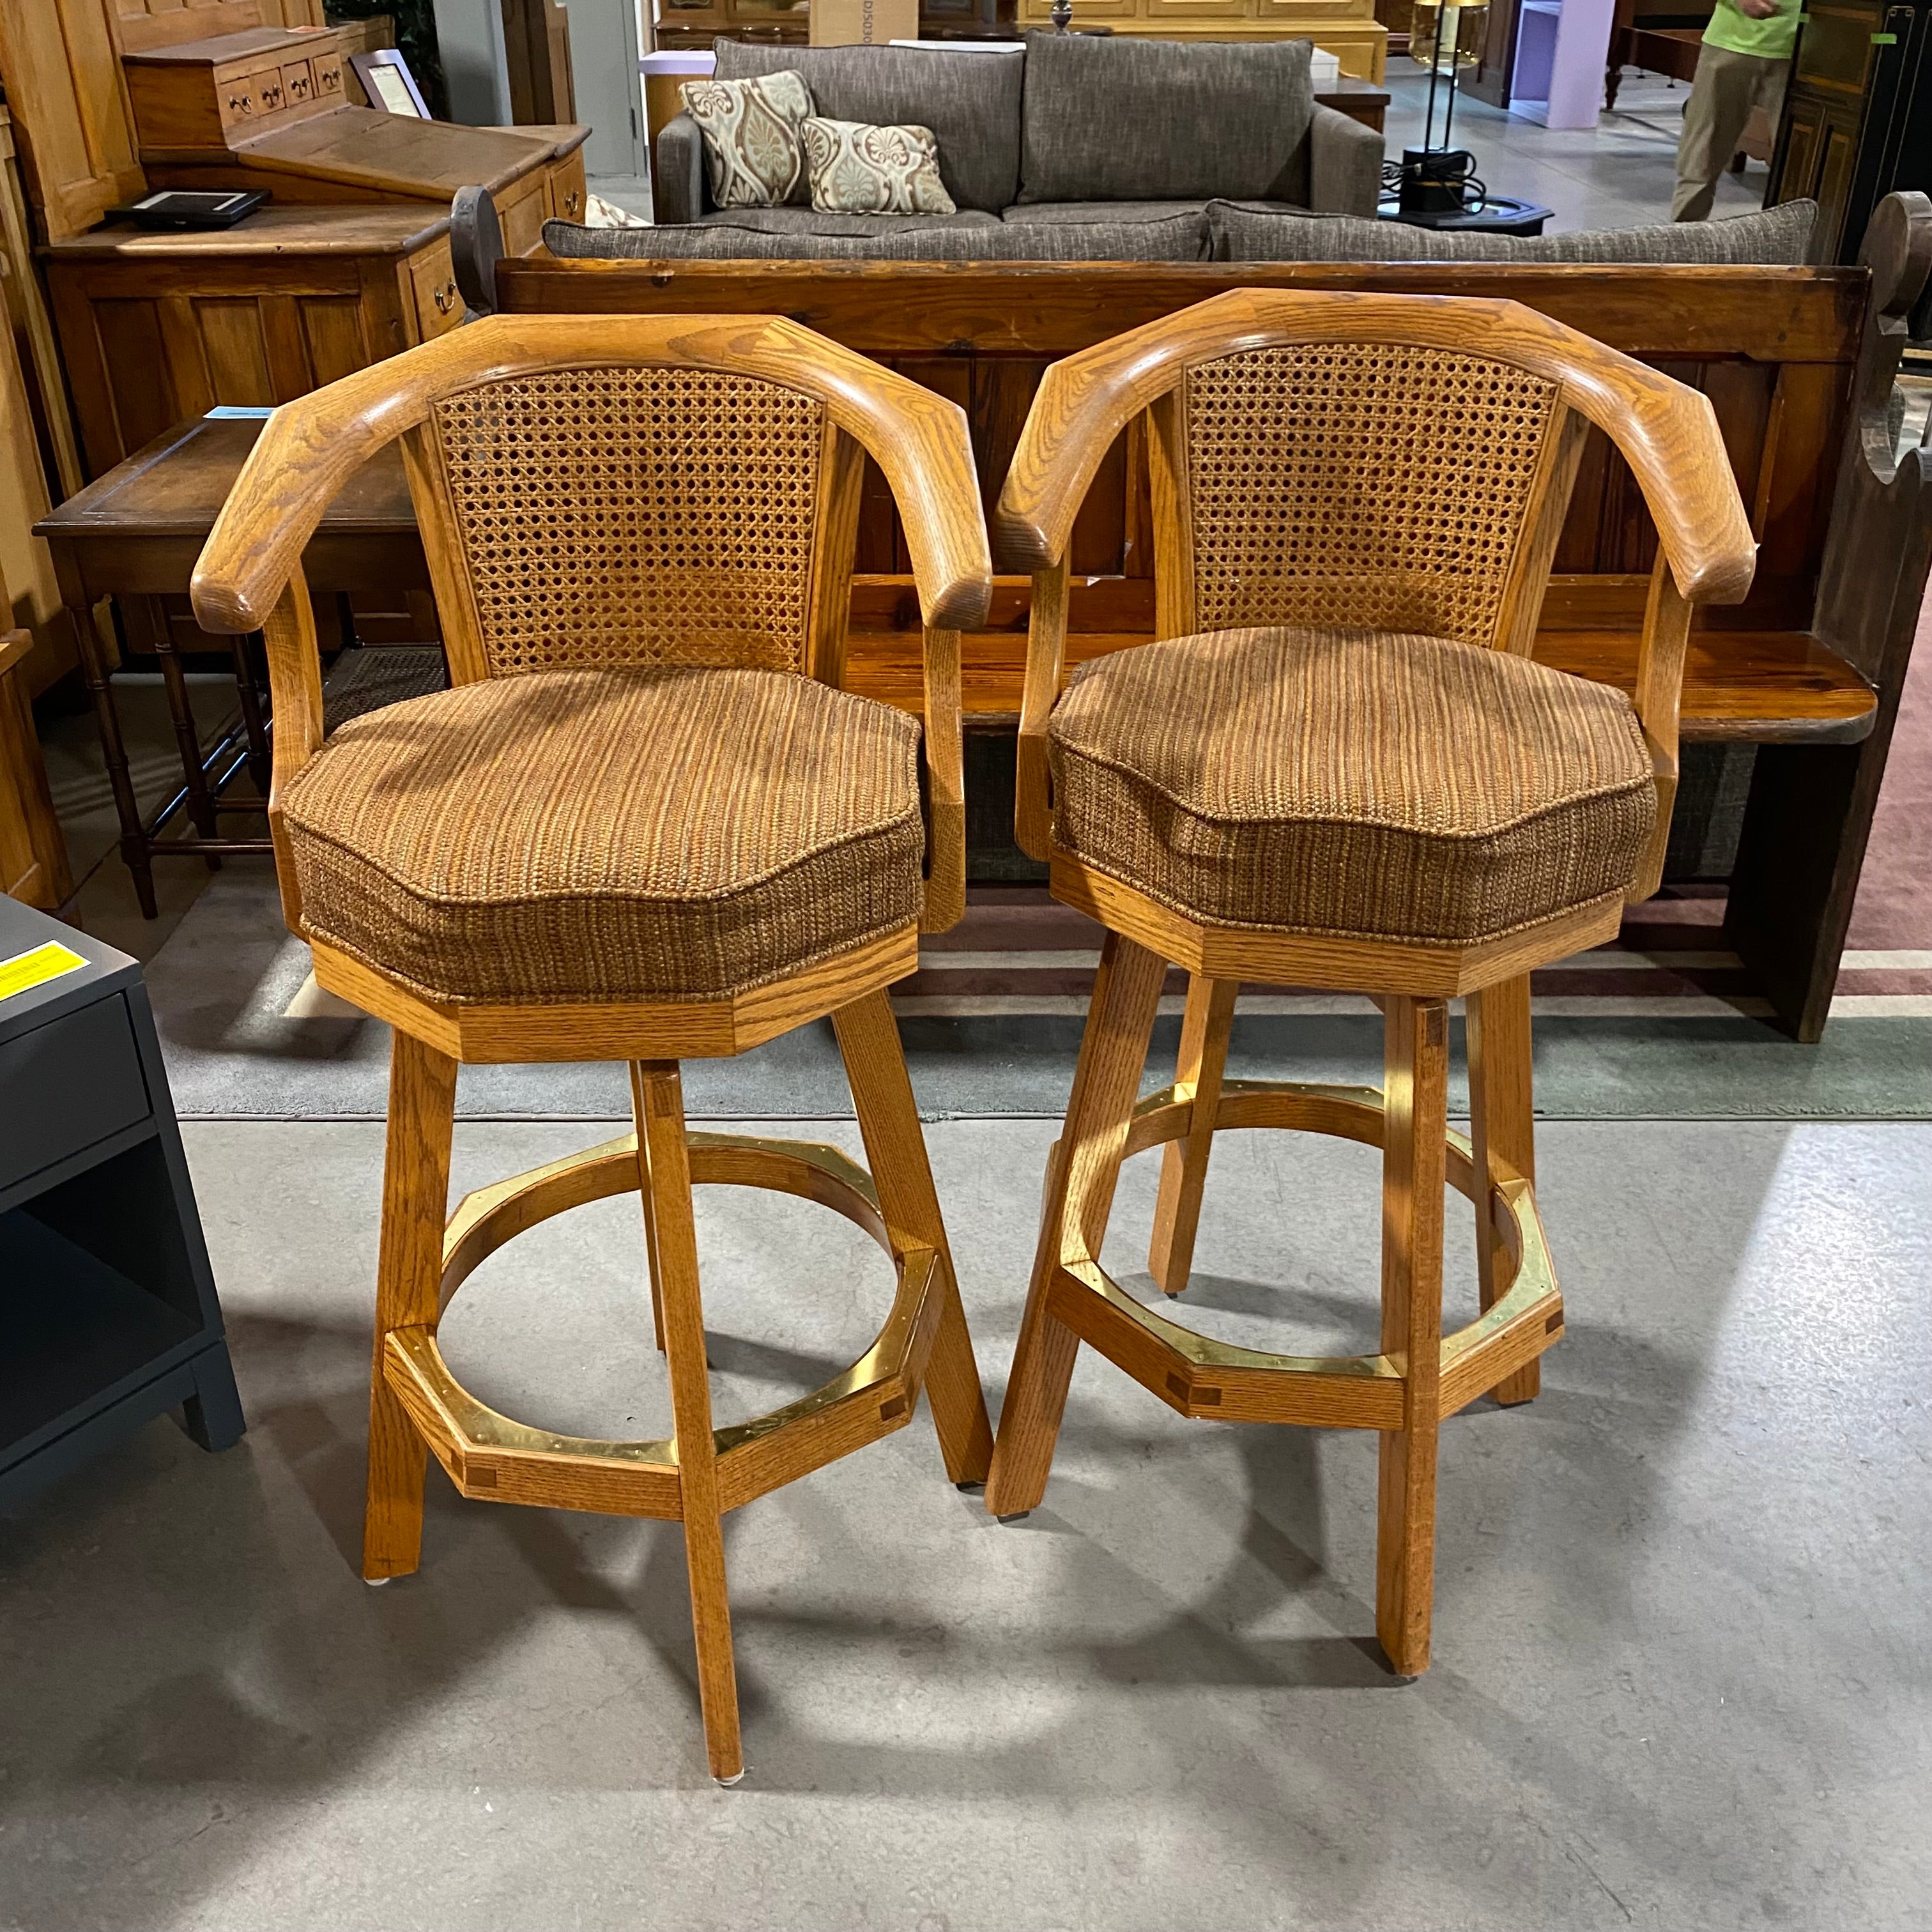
pixel 108 1313
pixel 139 530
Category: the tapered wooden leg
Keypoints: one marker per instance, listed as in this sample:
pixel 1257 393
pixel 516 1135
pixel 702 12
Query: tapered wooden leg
pixel 415 1202
pixel 1087 1163
pixel 650 1222
pixel 666 1171
pixel 1416 1101
pixel 1503 1126
pixel 868 1038
pixel 1183 1166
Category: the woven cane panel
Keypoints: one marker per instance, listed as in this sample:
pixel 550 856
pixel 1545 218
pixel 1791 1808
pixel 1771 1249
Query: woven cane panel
pixel 1360 484
pixel 635 516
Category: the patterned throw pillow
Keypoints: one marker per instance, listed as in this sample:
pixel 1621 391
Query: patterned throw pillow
pixel 750 127
pixel 856 169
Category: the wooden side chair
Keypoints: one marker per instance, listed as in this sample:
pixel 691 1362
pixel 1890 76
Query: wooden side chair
pixel 1340 767
pixel 644 824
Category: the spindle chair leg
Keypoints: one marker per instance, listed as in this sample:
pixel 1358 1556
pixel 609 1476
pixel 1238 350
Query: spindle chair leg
pixel 665 1167
pixel 1085 1166
pixel 651 1266
pixel 1183 1166
pixel 1415 1103
pixel 1502 1126
pixel 408 1276
pixel 882 1095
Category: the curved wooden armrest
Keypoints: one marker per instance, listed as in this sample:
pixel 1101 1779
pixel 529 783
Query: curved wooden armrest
pixel 1046 656
pixel 945 903
pixel 1667 432
pixel 310 447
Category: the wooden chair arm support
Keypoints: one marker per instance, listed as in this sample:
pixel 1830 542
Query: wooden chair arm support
pixel 1668 433
pixel 945 903
pixel 1659 701
pixel 1046 653
pixel 309 447
pixel 294 689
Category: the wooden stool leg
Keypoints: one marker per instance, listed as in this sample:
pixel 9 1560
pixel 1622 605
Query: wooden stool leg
pixel 868 1038
pixel 1416 1101
pixel 1503 1126
pixel 1183 1166
pixel 651 1266
pixel 1113 1054
pixel 665 1163
pixel 415 1203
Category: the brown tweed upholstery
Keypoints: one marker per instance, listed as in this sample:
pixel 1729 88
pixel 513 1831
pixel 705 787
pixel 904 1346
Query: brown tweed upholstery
pixel 1349 782
pixel 608 835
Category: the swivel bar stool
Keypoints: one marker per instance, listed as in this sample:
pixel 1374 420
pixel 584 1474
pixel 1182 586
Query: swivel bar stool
pixel 1340 767
pixel 644 824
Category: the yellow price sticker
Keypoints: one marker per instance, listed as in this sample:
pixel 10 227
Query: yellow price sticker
pixel 26 970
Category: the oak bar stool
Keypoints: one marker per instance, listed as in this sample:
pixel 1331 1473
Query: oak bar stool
pixel 644 824
pixel 1339 768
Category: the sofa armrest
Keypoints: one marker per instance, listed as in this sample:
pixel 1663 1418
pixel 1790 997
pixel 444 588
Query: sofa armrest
pixel 682 194
pixel 1344 164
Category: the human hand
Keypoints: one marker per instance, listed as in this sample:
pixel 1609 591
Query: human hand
pixel 1758 9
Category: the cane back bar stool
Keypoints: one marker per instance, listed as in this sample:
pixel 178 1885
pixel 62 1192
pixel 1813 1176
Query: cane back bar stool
pixel 645 824
pixel 1339 768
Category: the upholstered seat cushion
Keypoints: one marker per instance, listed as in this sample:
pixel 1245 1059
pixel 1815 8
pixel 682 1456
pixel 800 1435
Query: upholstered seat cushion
pixel 659 834
pixel 1349 783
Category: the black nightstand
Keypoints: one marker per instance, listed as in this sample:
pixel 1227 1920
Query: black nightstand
pixel 1499 215
pixel 108 1314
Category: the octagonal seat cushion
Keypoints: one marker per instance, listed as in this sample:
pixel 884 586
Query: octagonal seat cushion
pixel 1350 783
pixel 649 834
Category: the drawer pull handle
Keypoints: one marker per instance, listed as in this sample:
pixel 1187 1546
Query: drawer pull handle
pixel 330 78
pixel 445 298
pixel 570 203
pixel 241 103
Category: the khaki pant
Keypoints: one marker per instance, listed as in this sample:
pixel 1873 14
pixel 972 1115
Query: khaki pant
pixel 1726 88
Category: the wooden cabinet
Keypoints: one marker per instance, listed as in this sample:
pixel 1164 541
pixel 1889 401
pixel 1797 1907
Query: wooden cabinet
pixel 33 851
pixel 1347 28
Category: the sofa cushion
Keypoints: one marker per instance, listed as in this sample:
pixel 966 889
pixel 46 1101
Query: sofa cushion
pixel 752 157
pixel 1180 237
pixel 971 102
pixel 1086 213
pixel 854 168
pixel 1243 233
pixel 1126 119
pixel 811 221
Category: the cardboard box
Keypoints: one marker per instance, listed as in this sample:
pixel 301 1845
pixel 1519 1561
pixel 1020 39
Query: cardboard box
pixel 858 23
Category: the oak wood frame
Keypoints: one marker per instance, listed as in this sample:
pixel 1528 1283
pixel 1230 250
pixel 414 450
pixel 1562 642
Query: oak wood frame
pixel 1670 436
pixel 250 576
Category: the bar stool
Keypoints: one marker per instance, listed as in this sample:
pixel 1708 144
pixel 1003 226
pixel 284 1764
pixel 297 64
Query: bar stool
pixel 1340 767
pixel 644 824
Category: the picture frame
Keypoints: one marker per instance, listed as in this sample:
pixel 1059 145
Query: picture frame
pixel 386 80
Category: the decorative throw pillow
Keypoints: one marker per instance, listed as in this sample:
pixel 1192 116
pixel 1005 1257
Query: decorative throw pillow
pixel 751 151
pixel 856 169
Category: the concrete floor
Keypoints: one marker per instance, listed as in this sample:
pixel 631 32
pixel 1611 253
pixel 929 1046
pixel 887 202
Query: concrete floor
pixel 1682 1675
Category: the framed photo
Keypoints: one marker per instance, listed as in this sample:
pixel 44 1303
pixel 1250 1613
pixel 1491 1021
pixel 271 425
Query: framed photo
pixel 386 79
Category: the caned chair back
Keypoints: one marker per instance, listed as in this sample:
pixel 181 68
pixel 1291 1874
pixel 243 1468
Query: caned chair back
pixel 614 491
pixel 1399 463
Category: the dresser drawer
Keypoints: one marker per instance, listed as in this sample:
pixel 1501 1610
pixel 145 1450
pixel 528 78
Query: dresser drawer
pixel 439 307
pixel 298 84
pixel 520 210
pixel 69 1083
pixel 567 195
pixel 326 70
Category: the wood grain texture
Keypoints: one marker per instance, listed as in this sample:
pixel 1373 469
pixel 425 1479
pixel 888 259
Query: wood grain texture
pixel 1502 1125
pixel 665 1162
pixel 415 1197
pixel 1183 1170
pixel 1083 1169
pixel 882 1096
pixel 1416 1092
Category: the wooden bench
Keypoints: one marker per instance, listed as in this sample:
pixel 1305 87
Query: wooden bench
pixel 1797 362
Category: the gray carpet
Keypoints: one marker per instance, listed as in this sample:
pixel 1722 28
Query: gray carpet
pixel 221 984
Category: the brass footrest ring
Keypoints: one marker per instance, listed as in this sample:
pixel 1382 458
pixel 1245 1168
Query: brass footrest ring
pixel 1201 1377
pixel 492 1457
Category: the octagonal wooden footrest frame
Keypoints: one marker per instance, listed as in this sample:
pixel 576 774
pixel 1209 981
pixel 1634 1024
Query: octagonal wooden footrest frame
pixel 1201 1377
pixel 495 1459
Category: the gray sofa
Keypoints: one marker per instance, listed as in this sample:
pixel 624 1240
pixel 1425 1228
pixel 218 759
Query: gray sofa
pixel 1078 129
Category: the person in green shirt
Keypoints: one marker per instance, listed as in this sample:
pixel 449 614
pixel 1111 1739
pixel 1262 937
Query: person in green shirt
pixel 1746 56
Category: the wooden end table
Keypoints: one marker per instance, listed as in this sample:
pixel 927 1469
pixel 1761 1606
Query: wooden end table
pixel 139 529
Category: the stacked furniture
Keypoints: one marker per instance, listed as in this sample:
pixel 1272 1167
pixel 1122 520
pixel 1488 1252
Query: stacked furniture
pixel 1035 138
pixel 1799 363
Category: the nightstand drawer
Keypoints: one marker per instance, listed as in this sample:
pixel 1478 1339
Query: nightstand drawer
pixel 77 1080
